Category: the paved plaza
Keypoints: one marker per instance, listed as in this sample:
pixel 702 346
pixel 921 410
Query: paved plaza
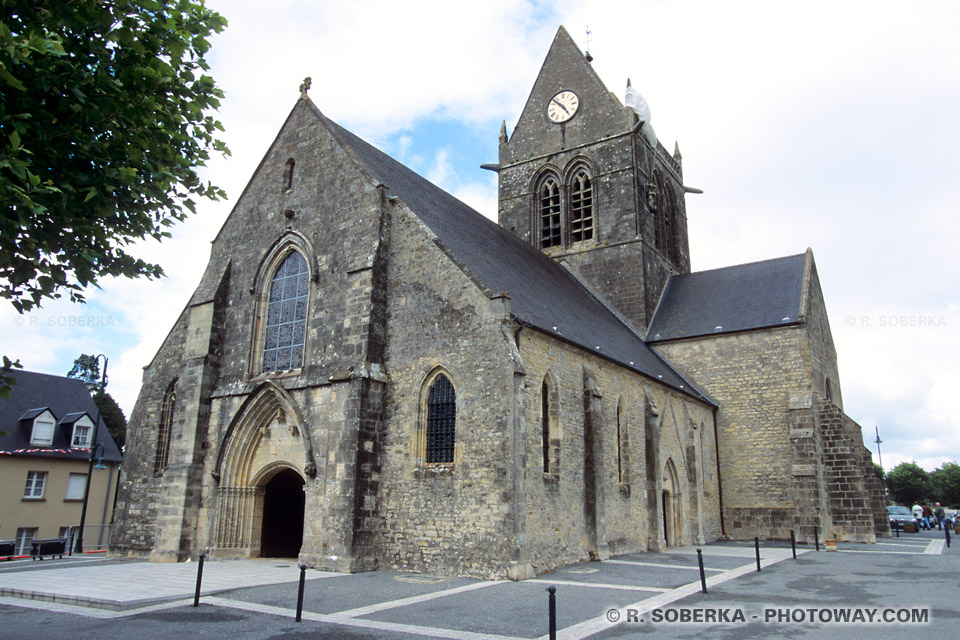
pixel 915 576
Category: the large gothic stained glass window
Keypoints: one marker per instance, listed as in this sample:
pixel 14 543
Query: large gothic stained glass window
pixel 286 315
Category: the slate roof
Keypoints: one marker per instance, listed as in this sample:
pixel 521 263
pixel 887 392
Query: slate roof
pixel 66 398
pixel 542 293
pixel 740 298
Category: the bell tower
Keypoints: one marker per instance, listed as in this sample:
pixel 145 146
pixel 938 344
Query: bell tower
pixel 580 180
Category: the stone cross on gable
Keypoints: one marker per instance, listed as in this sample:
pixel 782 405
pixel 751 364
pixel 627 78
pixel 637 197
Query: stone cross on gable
pixel 305 86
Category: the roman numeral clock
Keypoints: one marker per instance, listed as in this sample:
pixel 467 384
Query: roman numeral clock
pixel 562 106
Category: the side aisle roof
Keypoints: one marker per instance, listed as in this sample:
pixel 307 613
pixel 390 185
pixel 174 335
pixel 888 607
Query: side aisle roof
pixel 757 295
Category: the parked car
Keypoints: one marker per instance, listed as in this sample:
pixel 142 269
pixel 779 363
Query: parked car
pixel 900 516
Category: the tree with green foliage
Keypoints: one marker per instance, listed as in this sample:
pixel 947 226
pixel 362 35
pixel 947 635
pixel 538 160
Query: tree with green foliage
pixel 104 122
pixel 945 484
pixel 87 369
pixel 908 483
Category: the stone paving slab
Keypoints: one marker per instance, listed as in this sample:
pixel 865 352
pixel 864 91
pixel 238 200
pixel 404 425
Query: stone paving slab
pixel 130 585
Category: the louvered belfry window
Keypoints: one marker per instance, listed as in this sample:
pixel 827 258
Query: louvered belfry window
pixel 581 208
pixel 286 315
pixel 550 231
pixel 441 421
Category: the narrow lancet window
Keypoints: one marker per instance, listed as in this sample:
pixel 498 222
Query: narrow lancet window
pixel 288 174
pixel 550 230
pixel 166 426
pixel 441 421
pixel 581 208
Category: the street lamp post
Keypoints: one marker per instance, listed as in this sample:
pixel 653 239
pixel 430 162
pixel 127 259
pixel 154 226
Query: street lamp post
pixel 78 548
pixel 878 442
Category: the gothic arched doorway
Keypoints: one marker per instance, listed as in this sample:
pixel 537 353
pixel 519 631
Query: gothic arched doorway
pixel 672 522
pixel 283 500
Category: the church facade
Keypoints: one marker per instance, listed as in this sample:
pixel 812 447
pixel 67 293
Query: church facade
pixel 372 375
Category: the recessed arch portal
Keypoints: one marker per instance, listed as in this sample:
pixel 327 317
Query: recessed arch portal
pixel 262 464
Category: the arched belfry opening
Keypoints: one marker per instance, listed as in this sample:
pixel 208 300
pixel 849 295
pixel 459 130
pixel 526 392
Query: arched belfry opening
pixel 262 466
pixel 282 520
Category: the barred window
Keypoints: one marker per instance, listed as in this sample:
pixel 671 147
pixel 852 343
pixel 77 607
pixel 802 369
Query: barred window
pixel 441 421
pixel 550 230
pixel 166 426
pixel 581 208
pixel 286 316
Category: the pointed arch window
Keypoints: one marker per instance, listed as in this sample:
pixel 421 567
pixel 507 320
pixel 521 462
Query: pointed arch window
pixel 581 207
pixel 550 426
pixel 545 424
pixel 441 421
pixel 550 224
pixel 166 426
pixel 286 315
pixel 623 449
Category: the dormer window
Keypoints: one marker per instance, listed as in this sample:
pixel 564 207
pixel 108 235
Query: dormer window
pixel 82 435
pixel 80 428
pixel 42 431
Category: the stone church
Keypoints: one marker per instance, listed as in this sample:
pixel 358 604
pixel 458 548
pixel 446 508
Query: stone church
pixel 373 375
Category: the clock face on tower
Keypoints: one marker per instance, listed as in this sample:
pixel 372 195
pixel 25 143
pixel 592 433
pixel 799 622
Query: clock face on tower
pixel 562 106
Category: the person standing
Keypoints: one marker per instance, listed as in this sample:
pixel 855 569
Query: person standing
pixel 927 517
pixel 918 515
pixel 939 515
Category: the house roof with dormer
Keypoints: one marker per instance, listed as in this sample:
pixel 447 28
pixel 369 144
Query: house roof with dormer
pixel 67 399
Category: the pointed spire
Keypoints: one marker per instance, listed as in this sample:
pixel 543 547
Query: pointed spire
pixel 676 151
pixel 503 131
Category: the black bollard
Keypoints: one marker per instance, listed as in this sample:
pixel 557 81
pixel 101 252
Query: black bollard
pixel 552 612
pixel 756 545
pixel 816 538
pixel 703 578
pixel 793 543
pixel 303 577
pixel 946 532
pixel 196 594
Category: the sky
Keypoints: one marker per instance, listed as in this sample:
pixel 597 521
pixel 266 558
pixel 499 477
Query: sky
pixel 830 125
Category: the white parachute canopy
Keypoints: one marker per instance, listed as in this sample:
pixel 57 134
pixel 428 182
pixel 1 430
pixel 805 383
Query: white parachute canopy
pixel 635 101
